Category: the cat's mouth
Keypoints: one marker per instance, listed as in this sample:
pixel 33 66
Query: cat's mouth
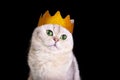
pixel 54 45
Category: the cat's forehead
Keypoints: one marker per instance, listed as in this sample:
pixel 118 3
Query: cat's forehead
pixel 55 28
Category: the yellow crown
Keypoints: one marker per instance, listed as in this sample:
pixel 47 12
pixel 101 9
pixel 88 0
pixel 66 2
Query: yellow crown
pixel 56 19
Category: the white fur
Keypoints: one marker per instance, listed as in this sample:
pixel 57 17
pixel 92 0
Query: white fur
pixel 48 62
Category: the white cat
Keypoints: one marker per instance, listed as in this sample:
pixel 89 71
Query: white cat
pixel 51 56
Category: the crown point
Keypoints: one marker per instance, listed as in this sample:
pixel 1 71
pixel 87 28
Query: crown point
pixel 47 14
pixel 67 17
pixel 57 14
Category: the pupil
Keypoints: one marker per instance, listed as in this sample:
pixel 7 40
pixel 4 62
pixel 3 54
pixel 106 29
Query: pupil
pixel 49 32
pixel 64 36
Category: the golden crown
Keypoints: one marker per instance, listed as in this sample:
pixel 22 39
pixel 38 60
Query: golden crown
pixel 56 19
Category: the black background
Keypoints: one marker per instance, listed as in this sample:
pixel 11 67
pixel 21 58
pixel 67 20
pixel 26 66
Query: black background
pixel 21 18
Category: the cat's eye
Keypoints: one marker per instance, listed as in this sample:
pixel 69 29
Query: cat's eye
pixel 49 32
pixel 63 37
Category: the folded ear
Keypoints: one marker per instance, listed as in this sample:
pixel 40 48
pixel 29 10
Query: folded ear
pixel 72 21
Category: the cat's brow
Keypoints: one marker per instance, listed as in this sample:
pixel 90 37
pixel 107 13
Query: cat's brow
pixel 58 30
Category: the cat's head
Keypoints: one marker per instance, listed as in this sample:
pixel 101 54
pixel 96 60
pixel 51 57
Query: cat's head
pixel 52 38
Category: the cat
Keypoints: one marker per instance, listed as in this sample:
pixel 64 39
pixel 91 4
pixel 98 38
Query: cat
pixel 50 56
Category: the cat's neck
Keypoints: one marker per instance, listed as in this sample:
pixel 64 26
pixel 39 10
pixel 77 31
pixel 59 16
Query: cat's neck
pixel 41 53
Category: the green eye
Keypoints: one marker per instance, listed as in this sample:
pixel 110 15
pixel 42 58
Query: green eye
pixel 49 33
pixel 63 37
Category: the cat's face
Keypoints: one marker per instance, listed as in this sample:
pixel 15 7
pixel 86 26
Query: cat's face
pixel 52 38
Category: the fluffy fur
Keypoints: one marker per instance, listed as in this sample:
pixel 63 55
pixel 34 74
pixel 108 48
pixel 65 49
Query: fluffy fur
pixel 50 60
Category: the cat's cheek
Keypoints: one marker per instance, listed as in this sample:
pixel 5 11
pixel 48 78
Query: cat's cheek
pixel 49 42
pixel 66 46
pixel 60 45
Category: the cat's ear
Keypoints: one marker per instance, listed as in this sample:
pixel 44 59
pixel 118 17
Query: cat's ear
pixel 72 21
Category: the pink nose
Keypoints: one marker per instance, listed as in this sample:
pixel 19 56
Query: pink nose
pixel 55 39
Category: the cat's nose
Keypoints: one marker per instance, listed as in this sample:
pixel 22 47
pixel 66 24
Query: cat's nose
pixel 55 39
